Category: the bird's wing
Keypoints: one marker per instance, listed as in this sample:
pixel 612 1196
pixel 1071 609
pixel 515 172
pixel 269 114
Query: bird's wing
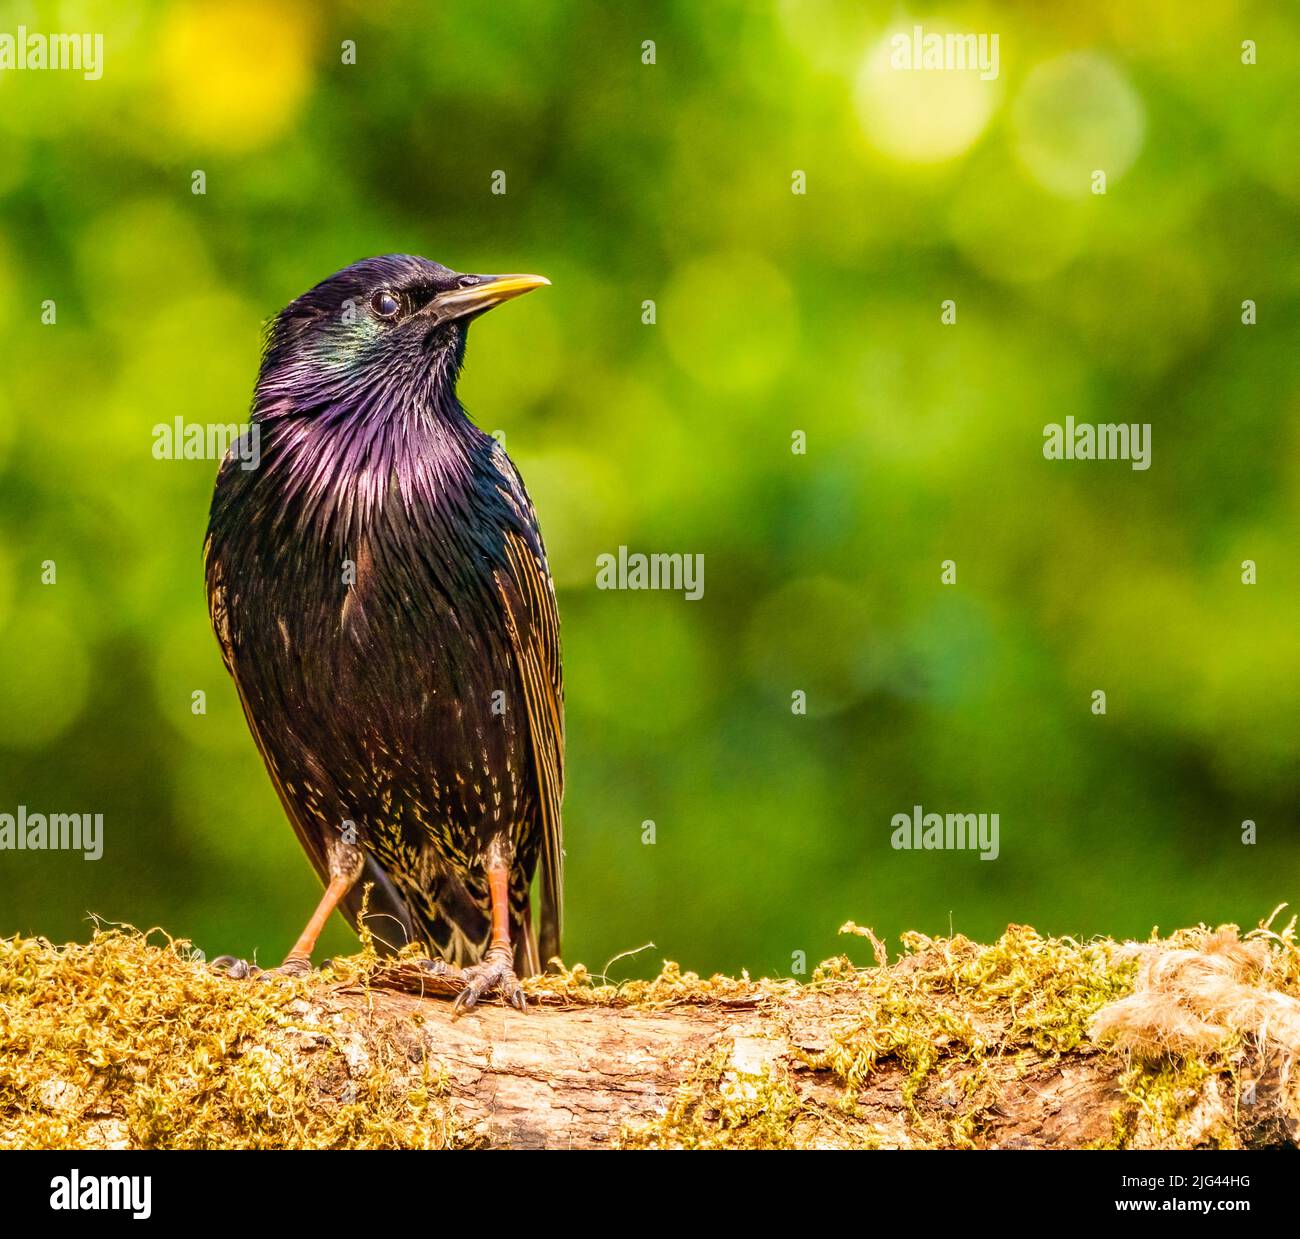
pixel 221 605
pixel 386 911
pixel 534 624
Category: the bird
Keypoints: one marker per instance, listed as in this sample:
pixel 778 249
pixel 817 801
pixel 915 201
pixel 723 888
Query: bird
pixel 381 596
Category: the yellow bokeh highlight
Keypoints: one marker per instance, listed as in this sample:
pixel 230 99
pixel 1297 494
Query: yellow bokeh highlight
pixel 918 115
pixel 234 74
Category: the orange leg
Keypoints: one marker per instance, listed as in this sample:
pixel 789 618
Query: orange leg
pixel 499 885
pixel 299 959
pixel 346 862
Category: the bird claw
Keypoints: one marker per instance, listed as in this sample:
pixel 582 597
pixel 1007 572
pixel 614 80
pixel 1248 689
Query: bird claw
pixel 241 970
pixel 495 974
pixel 235 968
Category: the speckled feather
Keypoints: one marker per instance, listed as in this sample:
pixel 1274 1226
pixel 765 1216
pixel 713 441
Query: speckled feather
pixel 372 702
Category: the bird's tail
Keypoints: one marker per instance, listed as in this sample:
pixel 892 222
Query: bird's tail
pixel 456 930
pixel 387 916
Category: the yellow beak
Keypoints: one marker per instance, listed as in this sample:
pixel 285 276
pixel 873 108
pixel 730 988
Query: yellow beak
pixel 491 290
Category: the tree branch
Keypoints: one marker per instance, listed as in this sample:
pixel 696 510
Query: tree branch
pixel 1029 1042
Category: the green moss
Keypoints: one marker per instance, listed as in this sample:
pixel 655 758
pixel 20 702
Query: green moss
pixel 1160 1097
pixel 722 1108
pixel 943 1016
pixel 129 1041
pixel 950 1006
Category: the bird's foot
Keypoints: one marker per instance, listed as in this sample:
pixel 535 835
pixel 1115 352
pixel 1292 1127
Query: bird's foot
pixel 295 966
pixel 495 974
pixel 235 968
pixel 240 969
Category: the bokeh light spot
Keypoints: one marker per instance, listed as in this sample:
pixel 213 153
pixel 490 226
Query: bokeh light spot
pixel 917 115
pixel 235 73
pixel 1075 115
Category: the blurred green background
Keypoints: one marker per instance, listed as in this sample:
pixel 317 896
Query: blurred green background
pixel 776 312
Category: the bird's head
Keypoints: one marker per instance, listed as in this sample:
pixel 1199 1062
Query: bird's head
pixel 380 328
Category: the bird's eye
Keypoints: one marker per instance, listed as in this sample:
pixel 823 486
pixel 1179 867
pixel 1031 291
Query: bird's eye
pixel 385 304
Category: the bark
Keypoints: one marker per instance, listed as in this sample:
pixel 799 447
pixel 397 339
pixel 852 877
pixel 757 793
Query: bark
pixel 576 1076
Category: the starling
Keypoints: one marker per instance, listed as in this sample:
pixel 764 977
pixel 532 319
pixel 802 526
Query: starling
pixel 381 595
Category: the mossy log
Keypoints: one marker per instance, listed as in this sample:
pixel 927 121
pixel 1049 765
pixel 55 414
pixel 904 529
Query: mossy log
pixel 1031 1042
